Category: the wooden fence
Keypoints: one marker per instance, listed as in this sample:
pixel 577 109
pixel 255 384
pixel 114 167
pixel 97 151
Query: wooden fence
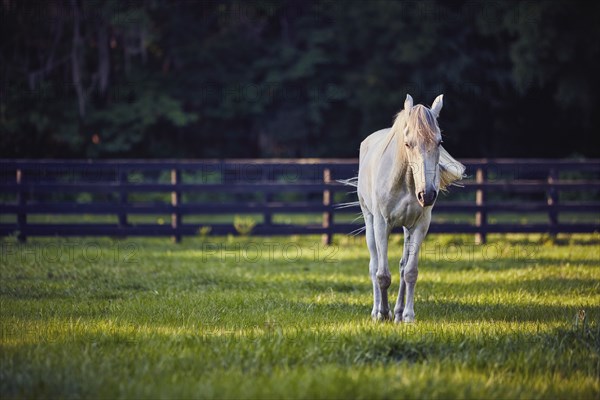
pixel 185 189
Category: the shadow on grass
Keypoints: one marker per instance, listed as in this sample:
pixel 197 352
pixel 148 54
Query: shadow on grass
pixel 502 264
pixel 542 286
pixel 441 311
pixel 455 311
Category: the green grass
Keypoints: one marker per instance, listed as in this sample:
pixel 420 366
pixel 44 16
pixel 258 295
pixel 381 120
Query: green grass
pixel 287 318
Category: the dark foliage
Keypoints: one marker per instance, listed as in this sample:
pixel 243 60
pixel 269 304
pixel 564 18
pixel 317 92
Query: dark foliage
pixel 160 78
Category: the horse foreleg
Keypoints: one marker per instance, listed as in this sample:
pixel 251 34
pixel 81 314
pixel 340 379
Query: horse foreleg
pixel 381 230
pixel 399 308
pixel 411 270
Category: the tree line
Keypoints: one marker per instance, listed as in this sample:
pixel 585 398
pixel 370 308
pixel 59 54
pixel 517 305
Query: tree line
pixel 160 78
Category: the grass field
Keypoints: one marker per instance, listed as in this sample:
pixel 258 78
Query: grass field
pixel 287 318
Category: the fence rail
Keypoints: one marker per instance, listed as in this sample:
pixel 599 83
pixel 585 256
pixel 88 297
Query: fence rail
pixel 276 186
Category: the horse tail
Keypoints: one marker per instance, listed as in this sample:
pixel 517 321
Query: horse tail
pixel 349 182
pixel 353 182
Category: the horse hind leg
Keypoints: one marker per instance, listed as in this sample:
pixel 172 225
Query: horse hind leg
pixel 399 308
pixel 373 262
pixel 381 230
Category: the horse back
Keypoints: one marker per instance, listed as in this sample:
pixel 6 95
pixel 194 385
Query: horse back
pixel 372 142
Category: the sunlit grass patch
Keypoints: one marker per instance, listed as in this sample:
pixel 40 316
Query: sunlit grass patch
pixel 288 317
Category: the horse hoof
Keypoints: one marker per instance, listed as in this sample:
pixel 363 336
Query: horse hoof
pixel 409 319
pixel 398 319
pixel 384 317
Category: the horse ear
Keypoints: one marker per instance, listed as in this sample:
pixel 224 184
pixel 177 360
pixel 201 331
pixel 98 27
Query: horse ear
pixel 408 103
pixel 436 107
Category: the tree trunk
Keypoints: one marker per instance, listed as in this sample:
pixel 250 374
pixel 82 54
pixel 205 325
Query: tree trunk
pixel 103 58
pixel 76 59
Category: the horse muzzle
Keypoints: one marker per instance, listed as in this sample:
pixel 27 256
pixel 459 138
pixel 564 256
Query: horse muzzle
pixel 427 199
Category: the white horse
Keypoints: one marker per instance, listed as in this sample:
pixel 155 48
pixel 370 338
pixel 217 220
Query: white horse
pixel 401 171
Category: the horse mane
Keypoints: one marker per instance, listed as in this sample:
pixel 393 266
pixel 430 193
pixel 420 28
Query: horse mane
pixel 422 122
pixel 419 120
pixel 451 170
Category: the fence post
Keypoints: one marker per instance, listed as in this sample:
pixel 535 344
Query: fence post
pixel 123 198
pixel 481 214
pixel 552 201
pixel 176 202
pixel 327 215
pixel 267 216
pixel 21 201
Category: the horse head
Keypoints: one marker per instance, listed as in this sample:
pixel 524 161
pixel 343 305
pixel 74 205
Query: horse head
pixel 422 141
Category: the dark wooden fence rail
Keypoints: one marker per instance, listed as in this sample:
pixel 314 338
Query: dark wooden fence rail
pixel 499 186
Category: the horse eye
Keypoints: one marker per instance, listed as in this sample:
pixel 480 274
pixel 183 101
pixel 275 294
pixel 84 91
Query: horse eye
pixel 407 145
